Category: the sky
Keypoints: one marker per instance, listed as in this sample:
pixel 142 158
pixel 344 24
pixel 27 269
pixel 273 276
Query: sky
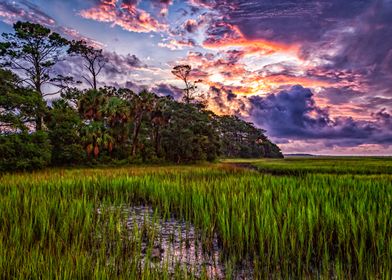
pixel 316 75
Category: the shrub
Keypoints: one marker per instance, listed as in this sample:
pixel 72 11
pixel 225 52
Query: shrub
pixel 24 151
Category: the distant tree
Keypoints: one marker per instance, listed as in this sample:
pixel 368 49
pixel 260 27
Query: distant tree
pixel 33 50
pixel 117 116
pixel 94 60
pixel 189 135
pixel 243 140
pixel 141 103
pixel 159 119
pixel 182 72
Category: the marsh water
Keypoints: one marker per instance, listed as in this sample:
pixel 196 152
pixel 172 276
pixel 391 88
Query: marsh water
pixel 169 243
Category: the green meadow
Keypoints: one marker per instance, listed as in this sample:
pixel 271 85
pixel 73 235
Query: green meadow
pixel 297 218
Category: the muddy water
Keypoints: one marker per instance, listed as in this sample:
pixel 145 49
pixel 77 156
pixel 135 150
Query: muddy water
pixel 171 243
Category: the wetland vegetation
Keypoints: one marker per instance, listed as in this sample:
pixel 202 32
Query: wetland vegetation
pixel 82 223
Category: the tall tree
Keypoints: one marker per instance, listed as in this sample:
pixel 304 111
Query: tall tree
pixel 33 50
pixel 94 60
pixel 182 72
pixel 18 106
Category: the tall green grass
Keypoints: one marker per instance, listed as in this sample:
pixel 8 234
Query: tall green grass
pixel 316 225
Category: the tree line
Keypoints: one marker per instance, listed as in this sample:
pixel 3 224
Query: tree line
pixel 103 124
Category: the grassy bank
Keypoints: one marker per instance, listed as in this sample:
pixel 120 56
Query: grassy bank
pixel 328 224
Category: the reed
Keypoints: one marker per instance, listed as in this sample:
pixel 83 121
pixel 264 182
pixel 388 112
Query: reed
pixel 65 223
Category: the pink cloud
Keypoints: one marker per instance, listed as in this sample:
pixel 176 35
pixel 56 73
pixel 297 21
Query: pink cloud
pixel 124 14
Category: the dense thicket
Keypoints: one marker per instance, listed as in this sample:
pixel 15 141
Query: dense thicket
pixel 104 124
pixel 24 151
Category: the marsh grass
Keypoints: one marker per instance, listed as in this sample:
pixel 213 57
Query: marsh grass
pixel 321 165
pixel 54 224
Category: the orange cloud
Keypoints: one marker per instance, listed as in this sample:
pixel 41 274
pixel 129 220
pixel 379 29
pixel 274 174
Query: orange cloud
pixel 281 79
pixel 236 78
pixel 235 38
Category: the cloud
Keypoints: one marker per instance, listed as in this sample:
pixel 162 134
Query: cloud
pixel 11 12
pixel 288 21
pixel 206 4
pixel 363 49
pixel 168 90
pixel 221 34
pixel 293 114
pixel 125 14
pixel 163 6
pixel 174 44
pixel 191 25
pixel 116 71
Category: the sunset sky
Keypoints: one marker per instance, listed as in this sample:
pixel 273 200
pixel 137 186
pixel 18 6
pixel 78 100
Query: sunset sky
pixel 316 75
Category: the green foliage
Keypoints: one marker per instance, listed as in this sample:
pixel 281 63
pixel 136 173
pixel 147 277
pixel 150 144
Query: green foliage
pixel 241 139
pixel 64 126
pixel 18 106
pixel 24 151
pixel 271 150
pixel 190 134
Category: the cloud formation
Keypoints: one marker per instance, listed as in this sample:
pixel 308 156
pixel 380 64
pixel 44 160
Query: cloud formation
pixel 313 73
pixel 12 11
pixel 126 14
pixel 294 114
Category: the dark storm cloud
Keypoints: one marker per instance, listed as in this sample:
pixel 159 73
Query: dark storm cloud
pixel 293 114
pixel 289 20
pixel 367 50
pixel 353 38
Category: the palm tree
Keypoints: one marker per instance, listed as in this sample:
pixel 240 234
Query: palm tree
pixel 116 111
pixel 91 138
pixel 91 104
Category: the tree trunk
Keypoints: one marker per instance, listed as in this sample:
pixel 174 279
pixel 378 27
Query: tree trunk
pixel 38 118
pixel 136 130
pixel 38 123
pixel 94 82
pixel 157 142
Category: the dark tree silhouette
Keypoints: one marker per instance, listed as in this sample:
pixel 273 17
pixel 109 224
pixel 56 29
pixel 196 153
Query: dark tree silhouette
pixel 33 50
pixel 182 72
pixel 94 60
